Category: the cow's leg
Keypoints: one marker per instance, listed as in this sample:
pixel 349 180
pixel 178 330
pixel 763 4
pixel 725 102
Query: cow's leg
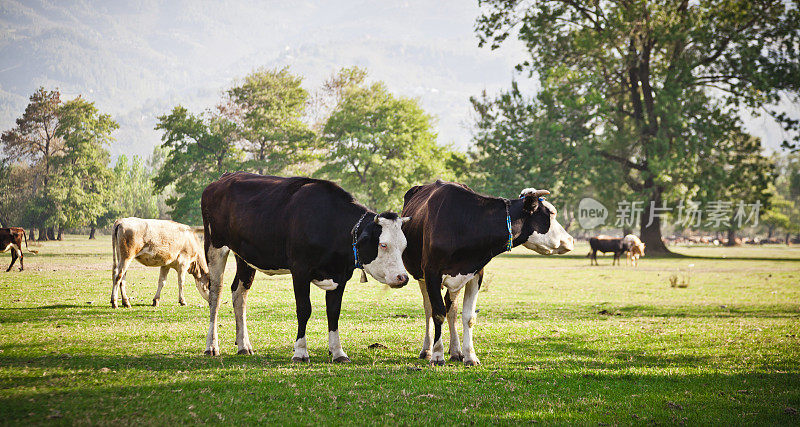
pixel 426 342
pixel 13 258
pixel 239 288
pixel 119 280
pixel 123 291
pixel 468 317
pixel 333 307
pixel 21 259
pixel 217 258
pixel 181 271
pixel 593 257
pixel 433 282
pixel 162 278
pixel 302 300
pixel 450 303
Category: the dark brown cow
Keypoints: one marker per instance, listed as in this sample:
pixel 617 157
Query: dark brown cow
pixel 607 244
pixel 453 233
pixel 11 239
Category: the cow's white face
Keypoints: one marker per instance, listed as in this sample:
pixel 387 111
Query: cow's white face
pixel 555 241
pixel 201 279
pixel 387 266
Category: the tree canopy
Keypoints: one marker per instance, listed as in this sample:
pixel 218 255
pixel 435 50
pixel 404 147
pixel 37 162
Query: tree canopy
pixel 659 85
pixel 200 148
pixel 378 145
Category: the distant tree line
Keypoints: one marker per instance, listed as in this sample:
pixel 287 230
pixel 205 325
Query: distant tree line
pixel 638 101
pixel 55 173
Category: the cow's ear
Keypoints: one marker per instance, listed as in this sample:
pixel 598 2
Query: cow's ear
pixel 531 203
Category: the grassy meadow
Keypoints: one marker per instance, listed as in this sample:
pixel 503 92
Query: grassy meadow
pixel 560 343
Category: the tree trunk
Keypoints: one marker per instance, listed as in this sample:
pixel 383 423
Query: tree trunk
pixel 51 234
pixel 60 233
pixel 91 233
pixel 43 234
pixel 32 234
pixel 651 236
pixel 731 237
pixel 787 238
pixel 769 232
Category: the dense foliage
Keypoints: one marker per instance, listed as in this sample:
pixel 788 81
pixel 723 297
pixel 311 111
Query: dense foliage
pixel 658 86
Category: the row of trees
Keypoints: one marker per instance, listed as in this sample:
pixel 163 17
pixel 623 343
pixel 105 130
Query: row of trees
pixel 56 171
pixel 355 132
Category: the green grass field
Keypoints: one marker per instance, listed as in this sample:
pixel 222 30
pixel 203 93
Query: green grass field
pixel 560 342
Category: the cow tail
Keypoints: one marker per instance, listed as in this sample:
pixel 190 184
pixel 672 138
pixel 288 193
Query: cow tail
pixel 25 236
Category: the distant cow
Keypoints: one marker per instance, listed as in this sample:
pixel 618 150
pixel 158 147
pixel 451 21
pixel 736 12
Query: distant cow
pixel 310 228
pixel 636 249
pixel 453 233
pixel 11 238
pixel 607 244
pixel 156 243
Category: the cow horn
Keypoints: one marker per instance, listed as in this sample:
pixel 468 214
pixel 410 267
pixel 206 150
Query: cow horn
pixel 377 217
pixel 540 193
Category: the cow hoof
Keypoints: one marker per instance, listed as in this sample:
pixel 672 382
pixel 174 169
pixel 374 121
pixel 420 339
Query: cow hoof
pixel 341 359
pixel 425 355
pixel 212 352
pixel 182 302
pixel 471 363
pixel 155 302
pixel 247 351
pixel 437 362
pixel 300 359
pixel 456 357
pixel 126 304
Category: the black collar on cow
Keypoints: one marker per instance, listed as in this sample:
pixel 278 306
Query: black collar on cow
pixel 510 243
pixel 354 234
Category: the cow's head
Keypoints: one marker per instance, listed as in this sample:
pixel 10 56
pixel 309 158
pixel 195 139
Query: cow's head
pixel 199 270
pixel 380 244
pixel 555 240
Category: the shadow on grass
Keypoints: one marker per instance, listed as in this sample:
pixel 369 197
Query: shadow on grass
pixel 164 389
pixel 610 311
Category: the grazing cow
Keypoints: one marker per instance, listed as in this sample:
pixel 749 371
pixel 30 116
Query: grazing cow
pixel 453 233
pixel 156 243
pixel 11 238
pixel 636 249
pixel 607 244
pixel 310 228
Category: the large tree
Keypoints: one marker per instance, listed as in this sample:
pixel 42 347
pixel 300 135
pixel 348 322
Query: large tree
pixel 269 108
pixel 81 188
pixel 34 140
pixel 199 150
pixel 662 83
pixel 378 145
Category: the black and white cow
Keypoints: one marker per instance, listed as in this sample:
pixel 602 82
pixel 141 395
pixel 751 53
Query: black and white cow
pixel 310 228
pixel 454 232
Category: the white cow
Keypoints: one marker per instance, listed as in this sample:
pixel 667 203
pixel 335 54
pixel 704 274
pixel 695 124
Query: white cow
pixel 157 243
pixel 636 249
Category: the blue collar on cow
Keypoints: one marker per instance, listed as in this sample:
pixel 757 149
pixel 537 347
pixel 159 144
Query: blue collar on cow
pixel 510 244
pixel 354 233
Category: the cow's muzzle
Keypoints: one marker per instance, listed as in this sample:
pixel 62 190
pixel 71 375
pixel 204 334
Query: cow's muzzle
pixel 402 280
